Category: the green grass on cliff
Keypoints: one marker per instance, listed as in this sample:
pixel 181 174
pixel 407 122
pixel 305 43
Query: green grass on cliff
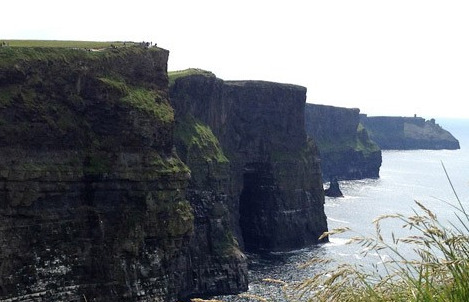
pixel 174 75
pixel 360 143
pixel 199 140
pixel 151 102
pixel 142 99
pixel 65 44
pixel 68 51
pixel 9 56
pixel 55 95
pixel 364 143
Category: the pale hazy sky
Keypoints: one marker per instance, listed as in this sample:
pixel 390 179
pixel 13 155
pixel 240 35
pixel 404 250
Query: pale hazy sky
pixel 395 57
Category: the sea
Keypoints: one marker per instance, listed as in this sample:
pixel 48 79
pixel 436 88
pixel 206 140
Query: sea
pixel 434 178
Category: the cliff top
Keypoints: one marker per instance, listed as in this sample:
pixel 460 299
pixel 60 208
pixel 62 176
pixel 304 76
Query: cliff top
pixel 335 108
pixel 174 75
pixel 65 44
pixel 258 83
pixel 13 51
pixel 398 132
pixel 66 93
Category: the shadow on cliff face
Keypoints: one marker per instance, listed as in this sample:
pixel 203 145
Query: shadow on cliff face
pixel 257 198
pixel 272 217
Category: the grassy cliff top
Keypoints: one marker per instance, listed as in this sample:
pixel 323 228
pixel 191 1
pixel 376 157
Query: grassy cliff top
pixel 174 75
pixel 65 44
pixel 14 51
pixel 70 97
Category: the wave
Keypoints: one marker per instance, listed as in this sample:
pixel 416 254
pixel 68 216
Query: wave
pixel 334 241
pixel 338 220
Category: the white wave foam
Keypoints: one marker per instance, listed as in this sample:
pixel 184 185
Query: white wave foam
pixel 338 220
pixel 337 241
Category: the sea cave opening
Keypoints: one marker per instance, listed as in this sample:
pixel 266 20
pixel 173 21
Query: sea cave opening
pixel 255 207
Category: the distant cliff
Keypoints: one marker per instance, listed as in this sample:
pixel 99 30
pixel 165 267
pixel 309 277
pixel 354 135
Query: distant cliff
pixel 404 133
pixel 275 190
pixel 346 150
pixel 95 204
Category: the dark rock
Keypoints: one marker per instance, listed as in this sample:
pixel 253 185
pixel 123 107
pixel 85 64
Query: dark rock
pixel 407 133
pixel 94 202
pixel 346 150
pixel 275 179
pixel 334 189
pixel 218 265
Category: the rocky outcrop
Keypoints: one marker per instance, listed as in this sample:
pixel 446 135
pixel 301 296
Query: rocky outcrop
pixel 95 204
pixel 346 150
pixel 404 133
pixel 334 189
pixel 275 181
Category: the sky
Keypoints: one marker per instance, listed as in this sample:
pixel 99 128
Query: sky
pixel 395 58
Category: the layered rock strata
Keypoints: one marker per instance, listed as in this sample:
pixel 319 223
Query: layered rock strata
pixel 94 201
pixel 275 179
pixel 345 148
pixel 219 267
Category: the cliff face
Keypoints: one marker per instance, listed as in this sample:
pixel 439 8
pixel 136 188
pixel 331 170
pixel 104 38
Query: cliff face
pixel 220 267
pixel 94 202
pixel 275 187
pixel 345 148
pixel 404 133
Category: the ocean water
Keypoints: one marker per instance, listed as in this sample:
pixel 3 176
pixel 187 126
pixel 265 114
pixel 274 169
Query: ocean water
pixel 405 176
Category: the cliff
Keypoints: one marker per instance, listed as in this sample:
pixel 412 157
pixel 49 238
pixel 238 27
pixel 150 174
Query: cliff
pixel 275 185
pixel 220 266
pixel 403 133
pixel 345 148
pixel 94 202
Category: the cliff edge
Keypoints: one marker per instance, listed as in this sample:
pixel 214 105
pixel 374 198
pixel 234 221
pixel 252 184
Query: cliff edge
pixel 346 150
pixel 404 133
pixel 95 204
pixel 275 190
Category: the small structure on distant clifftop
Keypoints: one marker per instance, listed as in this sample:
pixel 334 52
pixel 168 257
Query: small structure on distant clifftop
pixel 408 133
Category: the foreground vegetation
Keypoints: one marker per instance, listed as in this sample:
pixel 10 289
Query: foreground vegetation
pixel 438 272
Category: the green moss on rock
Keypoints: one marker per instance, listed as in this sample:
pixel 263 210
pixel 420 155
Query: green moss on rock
pixel 360 143
pixel 364 143
pixel 199 140
pixel 145 100
pixel 168 165
pixel 151 102
pixel 174 215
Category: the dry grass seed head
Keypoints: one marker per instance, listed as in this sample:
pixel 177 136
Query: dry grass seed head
pixel 253 297
pixel 202 300
pixel 426 210
pixel 314 261
pixel 275 281
pixel 334 232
